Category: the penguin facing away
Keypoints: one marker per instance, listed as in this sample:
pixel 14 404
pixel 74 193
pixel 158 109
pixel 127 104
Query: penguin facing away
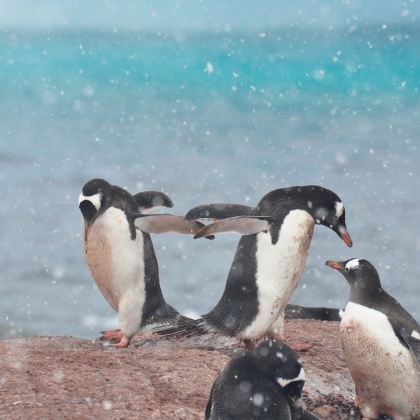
pixel 265 383
pixel 120 254
pixel 269 260
pixel 381 343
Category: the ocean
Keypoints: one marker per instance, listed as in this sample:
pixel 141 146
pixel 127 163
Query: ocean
pixel 205 117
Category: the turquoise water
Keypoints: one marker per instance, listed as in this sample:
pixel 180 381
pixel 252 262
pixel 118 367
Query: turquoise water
pixel 205 117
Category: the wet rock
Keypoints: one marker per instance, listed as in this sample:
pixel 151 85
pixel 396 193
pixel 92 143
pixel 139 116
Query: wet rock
pixel 155 378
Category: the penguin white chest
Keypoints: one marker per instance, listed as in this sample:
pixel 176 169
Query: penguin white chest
pixel 279 268
pixel 385 373
pixel 115 260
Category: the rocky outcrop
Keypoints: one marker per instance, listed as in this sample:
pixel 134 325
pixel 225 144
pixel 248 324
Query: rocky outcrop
pixel 155 378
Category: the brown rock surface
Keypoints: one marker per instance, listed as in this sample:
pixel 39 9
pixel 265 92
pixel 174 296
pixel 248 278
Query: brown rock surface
pixel 155 378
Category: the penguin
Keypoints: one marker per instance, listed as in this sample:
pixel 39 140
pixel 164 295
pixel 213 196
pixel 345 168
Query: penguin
pixel 381 343
pixel 269 260
pixel 120 254
pixel 265 383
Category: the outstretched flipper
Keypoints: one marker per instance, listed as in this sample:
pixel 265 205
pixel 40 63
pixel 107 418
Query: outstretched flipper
pixel 219 211
pixel 161 223
pixel 244 225
pixel 149 199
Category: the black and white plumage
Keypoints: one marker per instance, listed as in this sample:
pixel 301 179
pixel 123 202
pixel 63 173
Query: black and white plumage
pixel 120 254
pixel 265 383
pixel 381 343
pixel 269 260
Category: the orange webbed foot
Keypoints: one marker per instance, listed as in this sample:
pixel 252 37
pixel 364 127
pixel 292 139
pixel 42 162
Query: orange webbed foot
pixel 111 335
pixel 125 341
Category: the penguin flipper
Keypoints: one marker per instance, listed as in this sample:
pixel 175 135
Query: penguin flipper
pixel 149 199
pixel 207 413
pixel 162 223
pixel 219 211
pixel 244 225
pixel 412 340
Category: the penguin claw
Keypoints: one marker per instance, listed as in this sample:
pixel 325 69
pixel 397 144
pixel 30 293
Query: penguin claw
pixel 119 345
pixel 125 341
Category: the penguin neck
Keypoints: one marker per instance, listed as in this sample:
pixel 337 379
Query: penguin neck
pixel 291 217
pixel 362 293
pixel 287 207
pixel 281 202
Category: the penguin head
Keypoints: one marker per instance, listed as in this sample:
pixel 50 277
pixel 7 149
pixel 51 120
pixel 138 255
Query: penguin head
pixel 323 205
pixel 327 209
pixel 280 363
pixel 359 273
pixel 95 195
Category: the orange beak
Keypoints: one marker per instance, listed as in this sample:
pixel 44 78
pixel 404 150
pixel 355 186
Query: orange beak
pixel 335 264
pixel 344 235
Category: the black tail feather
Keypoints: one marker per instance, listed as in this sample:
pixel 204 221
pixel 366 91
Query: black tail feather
pixel 320 314
pixel 185 327
pixel 165 314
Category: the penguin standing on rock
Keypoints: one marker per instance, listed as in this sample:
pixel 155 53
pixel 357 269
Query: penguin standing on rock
pixel 265 383
pixel 269 260
pixel 381 343
pixel 120 254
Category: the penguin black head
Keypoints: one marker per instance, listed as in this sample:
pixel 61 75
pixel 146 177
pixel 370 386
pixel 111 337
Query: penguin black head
pixel 327 209
pixel 95 194
pixel 323 205
pixel 279 362
pixel 360 274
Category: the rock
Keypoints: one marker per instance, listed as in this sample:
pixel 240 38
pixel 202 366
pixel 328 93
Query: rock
pixel 155 378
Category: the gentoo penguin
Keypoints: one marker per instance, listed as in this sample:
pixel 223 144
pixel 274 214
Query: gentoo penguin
pixel 381 343
pixel 269 260
pixel 265 383
pixel 120 254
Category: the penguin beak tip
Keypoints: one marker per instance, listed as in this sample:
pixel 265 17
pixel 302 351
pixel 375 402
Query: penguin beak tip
pixel 346 239
pixel 334 264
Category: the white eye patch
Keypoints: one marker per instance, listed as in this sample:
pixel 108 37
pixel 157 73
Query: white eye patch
pixel 352 264
pixel 339 208
pixel 415 335
pixel 94 199
pixel 284 382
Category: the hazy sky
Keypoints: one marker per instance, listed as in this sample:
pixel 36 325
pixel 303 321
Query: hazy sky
pixel 167 15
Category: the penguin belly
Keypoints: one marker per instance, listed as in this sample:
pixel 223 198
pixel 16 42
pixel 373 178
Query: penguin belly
pixel 278 270
pixel 385 373
pixel 117 266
